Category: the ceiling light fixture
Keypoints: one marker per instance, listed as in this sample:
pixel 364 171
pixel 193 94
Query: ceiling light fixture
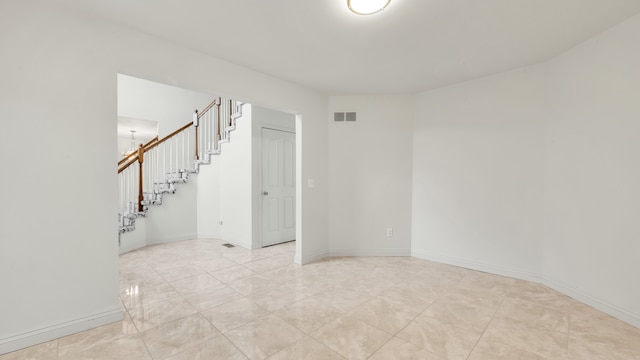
pixel 367 7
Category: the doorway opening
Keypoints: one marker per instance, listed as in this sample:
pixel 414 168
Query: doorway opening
pixel 278 186
pixel 247 196
pixel 275 170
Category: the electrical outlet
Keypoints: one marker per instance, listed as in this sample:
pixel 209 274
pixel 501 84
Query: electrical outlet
pixel 221 222
pixel 389 232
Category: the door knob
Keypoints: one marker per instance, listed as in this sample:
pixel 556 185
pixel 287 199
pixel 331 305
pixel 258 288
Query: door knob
pixel 265 193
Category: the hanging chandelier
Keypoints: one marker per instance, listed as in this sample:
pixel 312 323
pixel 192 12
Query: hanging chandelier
pixel 132 144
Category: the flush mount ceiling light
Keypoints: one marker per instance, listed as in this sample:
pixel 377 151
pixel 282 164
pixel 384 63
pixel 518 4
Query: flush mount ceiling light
pixel 367 7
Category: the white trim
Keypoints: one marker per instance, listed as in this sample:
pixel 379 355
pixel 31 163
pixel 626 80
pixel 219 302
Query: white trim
pixel 312 258
pixel 606 307
pixel 475 265
pixel 130 247
pixel 298 124
pixel 209 235
pixel 238 244
pixel 258 241
pixel 370 252
pixel 351 252
pixel 172 238
pixel 263 125
pixel 51 332
pixel 257 214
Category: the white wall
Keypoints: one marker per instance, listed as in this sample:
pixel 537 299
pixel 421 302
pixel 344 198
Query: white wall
pixel 171 106
pixel 477 165
pixel 236 189
pixel 59 272
pixel 58 248
pixel 592 168
pixel 176 218
pixel 145 130
pixel 229 189
pixel 262 116
pixel 370 176
pixel 136 239
pixel 533 173
pixel 208 200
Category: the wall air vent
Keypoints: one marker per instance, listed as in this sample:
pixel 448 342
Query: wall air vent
pixel 344 116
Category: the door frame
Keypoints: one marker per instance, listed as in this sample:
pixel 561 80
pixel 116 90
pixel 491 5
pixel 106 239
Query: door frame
pixel 259 205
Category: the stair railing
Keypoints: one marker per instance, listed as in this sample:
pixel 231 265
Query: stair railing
pixel 135 152
pixel 162 163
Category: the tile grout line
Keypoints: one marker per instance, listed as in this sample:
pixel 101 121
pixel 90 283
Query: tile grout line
pixel 126 309
pixel 509 294
pixel 222 334
pixel 487 326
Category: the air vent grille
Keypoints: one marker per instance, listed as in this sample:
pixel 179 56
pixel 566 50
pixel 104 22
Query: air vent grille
pixel 344 116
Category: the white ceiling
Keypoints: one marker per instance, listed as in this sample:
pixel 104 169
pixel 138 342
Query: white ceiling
pixel 413 45
pixel 145 131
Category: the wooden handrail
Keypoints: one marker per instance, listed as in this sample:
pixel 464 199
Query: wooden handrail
pixel 208 107
pixel 186 126
pixel 150 145
pixel 132 158
pixel 127 157
pixel 138 156
pixel 150 142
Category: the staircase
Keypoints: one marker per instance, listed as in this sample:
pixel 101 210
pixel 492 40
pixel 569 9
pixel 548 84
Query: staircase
pixel 152 171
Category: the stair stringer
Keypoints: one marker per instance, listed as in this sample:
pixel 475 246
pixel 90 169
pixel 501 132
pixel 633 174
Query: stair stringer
pixel 127 220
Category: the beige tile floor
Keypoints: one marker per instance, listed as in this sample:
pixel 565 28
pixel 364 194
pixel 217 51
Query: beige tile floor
pixel 199 300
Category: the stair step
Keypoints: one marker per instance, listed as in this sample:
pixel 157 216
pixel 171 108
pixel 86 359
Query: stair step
pixel 178 176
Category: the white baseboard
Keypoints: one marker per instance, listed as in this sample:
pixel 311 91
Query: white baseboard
pixel 475 265
pixel 125 248
pixel 209 235
pixel 173 238
pixel 241 244
pixel 370 252
pixel 351 252
pixel 613 310
pixel 59 330
pixel 313 257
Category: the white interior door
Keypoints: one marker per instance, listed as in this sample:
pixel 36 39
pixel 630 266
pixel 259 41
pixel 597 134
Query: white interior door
pixel 278 186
